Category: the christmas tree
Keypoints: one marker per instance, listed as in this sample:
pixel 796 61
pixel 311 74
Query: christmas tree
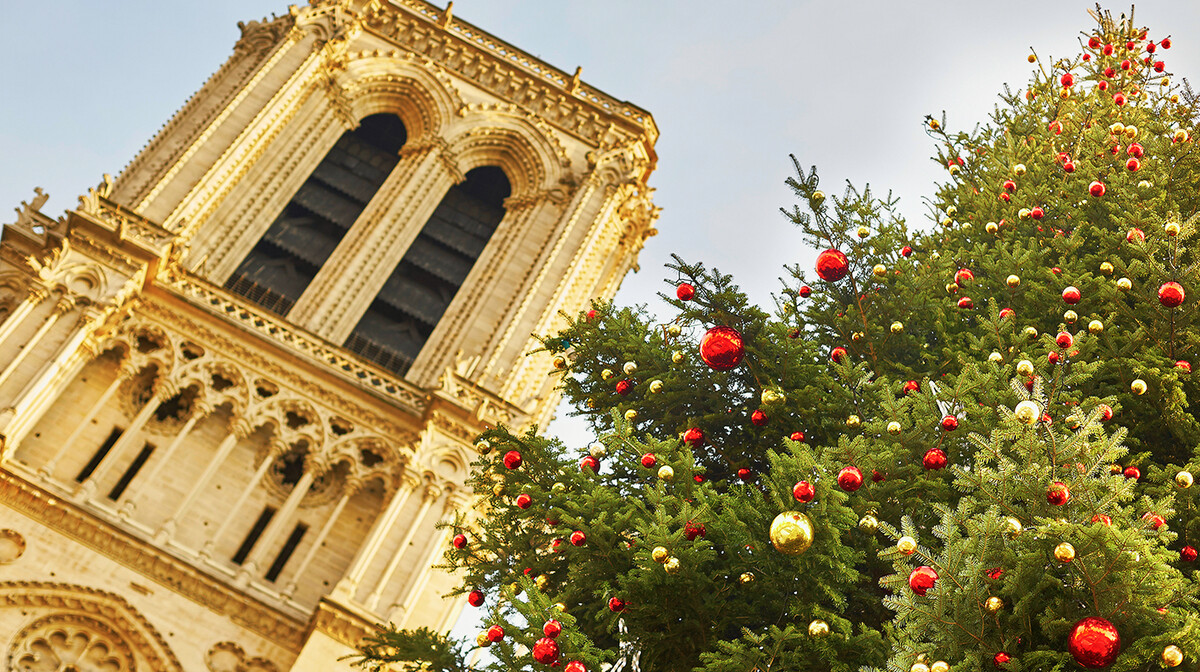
pixel 967 448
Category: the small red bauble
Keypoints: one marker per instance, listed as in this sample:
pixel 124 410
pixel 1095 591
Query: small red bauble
pixel 1119 99
pixel 743 474
pixel 524 501
pixel 685 292
pixel 805 291
pixel 1096 188
pixel 758 418
pixel 1064 340
pixel 995 573
pixel 832 265
pixel 910 386
pixel 1056 270
pixel 623 387
pixel 1125 65
pixel 589 462
pixel 694 437
pixel 459 541
pixel 1094 642
pixel 1188 554
pixel 1037 212
pixel 1135 235
pixel 877 477
pixel 474 598
pixel 1133 472
pixel 575 666
pixel 1093 42
pixel 1103 86
pixel 837 354
pixel 578 538
pixel 1106 412
pixel 722 348
pixel 1005 197
pixel 698 478
pixel 797 436
pixel 1101 518
pixel 1184 365
pixel 495 634
pixel 1058 493
pixel 1170 294
pixel 1069 166
pixel 1135 150
pixel 1108 50
pixel 850 479
pixel 950 423
pixel 649 460
pixel 552 628
pixel 1151 47
pixel 512 459
pixel 545 650
pixel 616 604
pixel 906 251
pixel 1071 295
pixel 1156 521
pixel 922 579
pixel 591 315
pixel 966 303
pixel 1166 43
pixel 1009 185
pixel 1067 79
pixel 935 458
pixel 1001 658
pixel 1133 164
pixel 963 276
pixel 692 530
pixel 804 492
pixel 1006 313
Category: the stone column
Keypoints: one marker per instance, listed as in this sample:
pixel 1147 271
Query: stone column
pixel 277 448
pixel 32 300
pixel 236 431
pixel 348 586
pixel 282 518
pixel 428 497
pixel 132 434
pixel 124 374
pixel 199 412
pixel 347 493
pixel 400 609
pixel 65 304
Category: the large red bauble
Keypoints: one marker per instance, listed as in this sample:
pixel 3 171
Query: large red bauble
pixel 578 538
pixel 685 292
pixel 805 291
pixel 877 477
pixel 1102 519
pixel 575 666
pixel 906 251
pixel 623 387
pixel 589 462
pixel 1006 313
pixel 910 386
pixel 1093 42
pixel 797 436
pixel 1064 340
pixel 1183 365
pixel 832 265
pixel 758 418
pixel 1069 166
pixel 935 458
pixel 1071 295
pixel 692 530
pixel 552 628
pixel 1037 212
pixel 850 478
pixel 459 541
pixel 512 459
pixel 524 501
pixel 495 634
pixel 694 437
pixel 950 423
pixel 966 303
pixel 1009 185
pixel 1058 494
pixel 1135 150
pixel 474 598
pixel 1096 188
pixel 616 604
pixel 1067 79
pixel 963 276
pixel 649 460
pixel 1052 358
pixel 1119 100
pixel 1106 412
pixel 545 650
pixel 922 579
pixel 837 354
pixel 1135 235
pixel 1170 294
pixel 804 492
pixel 1188 554
pixel 1133 472
pixel 1154 520
pixel 722 348
pixel 1094 642
pixel 1001 658
pixel 1166 43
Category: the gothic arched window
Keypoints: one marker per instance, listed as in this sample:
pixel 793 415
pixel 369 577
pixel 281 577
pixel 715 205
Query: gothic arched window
pixel 286 259
pixel 419 290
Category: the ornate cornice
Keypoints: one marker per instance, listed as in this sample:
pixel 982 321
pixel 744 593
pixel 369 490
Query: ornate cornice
pixel 341 624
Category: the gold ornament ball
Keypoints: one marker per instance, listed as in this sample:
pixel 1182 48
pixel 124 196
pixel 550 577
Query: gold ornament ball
pixel 906 545
pixel 818 628
pixel 952 288
pixel 954 170
pixel 1106 268
pixel 656 386
pixel 995 358
pixel 863 232
pixel 1138 387
pixel 991 227
pixel 1031 332
pixel 879 270
pixel 1064 552
pixel 560 606
pixel 853 421
pixel 1172 656
pixel 951 210
pixel 1070 316
pixel 483 446
pixel 993 604
pixel 946 221
pixel 1013 281
pixel 1027 412
pixel 671 566
pixel 1180 135
pixel 940 666
pixel 673 330
pixel 1131 131
pixel 1025 367
pixel 1165 81
pixel 1172 228
pixel 606 374
pixel 817 196
pixel 868 524
pixel 935 256
pixel 482 641
pixel 1124 284
pixel 857 336
pixel 746 577
pixel 597 450
pixel 666 473
pixel 498 489
pixel 1023 213
pixel 772 396
pixel 893 428
pixel 560 362
pixel 897 327
pixel 1095 327
pixel 1183 479
pixel 1145 184
pixel 631 415
pixel 591 402
pixel 919 667
pixel 1117 129
pixel 934 124
pixel 791 533
pixel 677 356
pixel 1019 169
pixel 660 554
pixel 1013 527
pixel 541 581
pixel 630 368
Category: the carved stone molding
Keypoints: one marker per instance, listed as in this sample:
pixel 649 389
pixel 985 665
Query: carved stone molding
pixel 230 657
pixel 344 626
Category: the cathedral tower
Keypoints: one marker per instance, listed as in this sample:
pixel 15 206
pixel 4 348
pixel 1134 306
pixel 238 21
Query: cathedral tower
pixel 239 383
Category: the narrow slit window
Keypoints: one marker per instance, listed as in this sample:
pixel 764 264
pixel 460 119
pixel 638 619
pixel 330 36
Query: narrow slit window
pixel 100 453
pixel 417 293
pixel 300 240
pixel 252 536
pixel 286 552
pixel 130 473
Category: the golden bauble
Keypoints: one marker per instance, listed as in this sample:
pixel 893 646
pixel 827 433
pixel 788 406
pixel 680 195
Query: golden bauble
pixel 935 255
pixel 483 446
pixel 1172 228
pixel 893 428
pixel 1180 135
pixel 954 170
pixel 1023 213
pixel 939 666
pixel 1145 184
pixel 677 356
pixel 791 533
pixel 746 577
pixel 1131 131
pixel 818 628
pixel 1025 367
pixel 1106 268
pixel 656 386
pixel 897 327
pixel 1183 479
pixel 1013 281
pixel 919 667
pixel 666 473
pixel 560 362
pixel 934 124
pixel 498 489
pixel 995 358
pixel 597 450
pixel 631 415
pixel 1027 412
pixel 1064 552
pixel 1172 656
pixel 863 232
pixel 673 330
pixel 1095 327
pixel 541 581
pixel 817 196
pixel 991 227
pixel 853 421
pixel 1124 284
pixel 1019 169
pixel 1013 527
pixel 868 524
pixel 952 288
pixel 857 336
pixel 993 604
pixel 607 374
pixel 560 606
pixel 1175 98
pixel 629 368
pixel 772 396
pixel 1138 387
pixel 671 566
pixel 1070 316
pixel 951 210
pixel 906 545
pixel 1031 332
pixel 482 641
pixel 660 554
pixel 1117 129
pixel 591 402
pixel 946 221
pixel 879 270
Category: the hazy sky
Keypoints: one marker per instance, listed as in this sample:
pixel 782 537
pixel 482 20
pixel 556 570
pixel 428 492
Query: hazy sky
pixel 735 87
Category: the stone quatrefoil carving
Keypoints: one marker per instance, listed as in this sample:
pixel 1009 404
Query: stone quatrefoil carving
pixel 229 657
pixel 70 643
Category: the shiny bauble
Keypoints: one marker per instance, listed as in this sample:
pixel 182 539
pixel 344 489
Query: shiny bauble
pixel 483 446
pixel 772 396
pixel 746 578
pixel 558 488
pixel 949 423
pixel 541 582
pixel 1070 317
pixel 1013 527
pixel 578 538
pixel 674 330
pixel 475 598
pixel 1064 552
pixel 1124 284
pixel 512 459
pixel 818 628
pixel 1094 643
pixel 722 348
pixel 1172 228
pixel 660 554
pixel 545 651
pixel 853 421
pixel 694 437
pixel 1072 295
pixel 671 566
pixel 850 478
pixel 868 524
pixel 560 362
pixel 616 604
pixel 1031 332
pixel 1095 327
pixel 677 356
pixel 1188 554
pixel 495 634
pixel 685 292
pixel 934 459
pixel 817 196
pixel 1183 479
pixel 993 604
pixel 897 327
pixel 991 227
pixel 1138 386
pixel 482 641
pixel 893 428
pixel 832 265
pixel 965 303
pixel 791 533
pixel 921 579
pixel 1000 659
pixel 939 666
pixel 804 492
pixel 1172 656
pixel 879 271
pixel 1170 294
pixel 629 368
pixel 1058 494
pixel 597 449
pixel 631 415
pixel 575 666
pixel 1013 281
pixel 607 374
pixel 666 473
pixel 1027 412
pixel 1106 268
pixel 1025 367
pixel 906 545
pixel 919 667
pixel 656 386
pixel 524 501
pixel 996 358
pixel 1019 169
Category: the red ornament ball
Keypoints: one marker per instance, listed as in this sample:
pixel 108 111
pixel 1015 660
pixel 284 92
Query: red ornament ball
pixel 906 251
pixel 649 460
pixel 1133 472
pixel 877 477
pixel 1006 313
pixel 1188 554
pixel 591 315
pixel 1119 100
pixel 1058 493
pixel 1103 519
pixel 552 628
pixel 837 354
pixel 495 634
pixel 922 579
pixel 1106 412
pixel 910 386
pixel 1071 295
pixel 1009 185
pixel 1037 212
pixel 475 598
pixel 1166 43
pixel 1135 235
pixel 1052 358
pixel 512 459
pixel 995 573
pixel 578 538
pixel 963 276
pixel 1108 51
pixel 1135 150
pixel 722 348
pixel 694 437
pixel 1093 42
pixel 743 474
pixel 459 541
pixel 805 291
pixel 1184 365
pixel 1064 340
pixel 950 423
pixel 1001 658
pixel 804 492
pixel 623 387
pixel 1170 294
pixel 966 303
pixel 524 501
pixel 589 462
pixel 545 650
pixel 685 292
pixel 698 478
pixel 692 530
pixel 575 666
pixel 1153 519
pixel 1094 642
pixel 758 418
pixel 850 479
pixel 797 436
pixel 1096 188
pixel 832 265
pixel 935 458
pixel 1067 79
pixel 1069 166
pixel 616 604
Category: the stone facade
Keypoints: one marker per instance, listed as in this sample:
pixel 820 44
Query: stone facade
pixel 191 482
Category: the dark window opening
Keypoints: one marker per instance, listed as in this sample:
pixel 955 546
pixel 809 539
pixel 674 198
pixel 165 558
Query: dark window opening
pixel 252 536
pixel 415 296
pixel 292 468
pixel 301 239
pixel 131 472
pixel 177 406
pixel 100 453
pixel 285 553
